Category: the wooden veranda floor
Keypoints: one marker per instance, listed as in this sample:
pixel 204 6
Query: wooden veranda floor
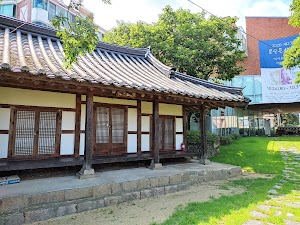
pixel 22 164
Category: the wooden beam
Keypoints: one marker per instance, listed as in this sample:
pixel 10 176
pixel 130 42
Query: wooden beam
pixel 36 134
pixel 9 79
pixel 202 122
pixel 37 107
pixel 139 127
pixel 77 125
pixel 12 132
pixel 155 130
pixel 58 133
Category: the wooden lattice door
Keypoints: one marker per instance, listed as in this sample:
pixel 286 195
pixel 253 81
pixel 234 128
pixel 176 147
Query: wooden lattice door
pixel 35 132
pixel 167 131
pixel 110 130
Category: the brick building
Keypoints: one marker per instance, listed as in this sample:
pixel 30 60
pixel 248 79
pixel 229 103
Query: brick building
pixel 259 29
pixel 264 28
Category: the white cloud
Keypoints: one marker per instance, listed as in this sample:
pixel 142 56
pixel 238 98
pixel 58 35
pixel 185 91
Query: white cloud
pixel 148 10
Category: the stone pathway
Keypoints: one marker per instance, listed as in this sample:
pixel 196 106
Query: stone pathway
pixel 274 207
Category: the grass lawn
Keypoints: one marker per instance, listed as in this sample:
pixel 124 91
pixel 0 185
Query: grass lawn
pixel 253 154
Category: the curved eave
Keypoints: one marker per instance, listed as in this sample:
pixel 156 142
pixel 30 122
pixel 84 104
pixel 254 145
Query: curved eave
pixel 39 53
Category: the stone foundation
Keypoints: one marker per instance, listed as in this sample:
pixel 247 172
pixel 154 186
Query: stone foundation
pixel 22 209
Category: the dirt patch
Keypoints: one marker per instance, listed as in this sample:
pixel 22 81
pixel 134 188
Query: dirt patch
pixel 147 211
pixel 249 175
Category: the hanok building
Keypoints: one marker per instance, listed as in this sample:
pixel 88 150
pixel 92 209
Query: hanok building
pixel 116 104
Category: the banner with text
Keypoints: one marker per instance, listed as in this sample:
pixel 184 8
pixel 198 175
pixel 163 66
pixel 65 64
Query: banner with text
pixel 278 84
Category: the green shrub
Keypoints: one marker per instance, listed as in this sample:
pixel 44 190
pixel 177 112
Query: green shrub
pixel 226 139
pixel 234 136
pixel 194 137
pixel 211 138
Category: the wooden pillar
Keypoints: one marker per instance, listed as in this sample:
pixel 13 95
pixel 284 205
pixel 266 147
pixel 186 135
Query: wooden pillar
pixel 202 121
pixel 139 127
pixel 87 170
pixel 155 130
pixel 184 118
pixel 77 125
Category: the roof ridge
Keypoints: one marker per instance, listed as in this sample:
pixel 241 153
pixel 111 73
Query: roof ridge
pixel 27 26
pixel 122 49
pixel 220 87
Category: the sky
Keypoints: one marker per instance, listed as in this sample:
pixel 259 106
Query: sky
pixel 148 10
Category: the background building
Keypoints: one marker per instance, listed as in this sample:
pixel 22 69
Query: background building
pixel 42 11
pixel 260 116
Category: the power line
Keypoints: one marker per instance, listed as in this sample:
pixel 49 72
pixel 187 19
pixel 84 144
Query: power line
pixel 223 21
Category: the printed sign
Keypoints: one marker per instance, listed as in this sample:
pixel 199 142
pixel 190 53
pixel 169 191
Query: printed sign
pixel 278 84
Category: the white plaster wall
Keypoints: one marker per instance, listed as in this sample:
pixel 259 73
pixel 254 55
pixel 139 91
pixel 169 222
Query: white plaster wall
pixel 67 144
pixel 179 140
pixel 132 119
pixel 145 141
pixel 82 120
pixel 81 146
pixel 145 123
pixel 4 119
pixel 19 96
pixel 146 107
pixel 4 125
pixel 115 101
pixel 132 143
pixel 68 120
pixel 170 109
pixel 164 109
pixel 179 125
pixel 3 145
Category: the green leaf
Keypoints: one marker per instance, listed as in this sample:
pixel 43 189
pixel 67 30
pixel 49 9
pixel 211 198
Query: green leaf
pixel 78 38
pixel 292 55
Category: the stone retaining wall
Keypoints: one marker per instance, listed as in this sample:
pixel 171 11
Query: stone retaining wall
pixel 42 206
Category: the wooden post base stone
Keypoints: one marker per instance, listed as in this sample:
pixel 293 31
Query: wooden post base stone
pixel 155 166
pixel 87 173
pixel 202 161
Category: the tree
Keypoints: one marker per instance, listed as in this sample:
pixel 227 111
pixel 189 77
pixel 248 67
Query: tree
pixel 78 37
pixel 190 42
pixel 292 55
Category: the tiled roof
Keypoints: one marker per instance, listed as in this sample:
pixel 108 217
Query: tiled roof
pixel 36 50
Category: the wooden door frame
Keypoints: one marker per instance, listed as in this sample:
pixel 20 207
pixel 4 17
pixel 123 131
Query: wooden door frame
pixel 37 110
pixel 110 106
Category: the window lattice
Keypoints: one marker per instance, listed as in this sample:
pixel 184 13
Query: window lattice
pixel 102 126
pixel 24 140
pixel 47 132
pixel 117 125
